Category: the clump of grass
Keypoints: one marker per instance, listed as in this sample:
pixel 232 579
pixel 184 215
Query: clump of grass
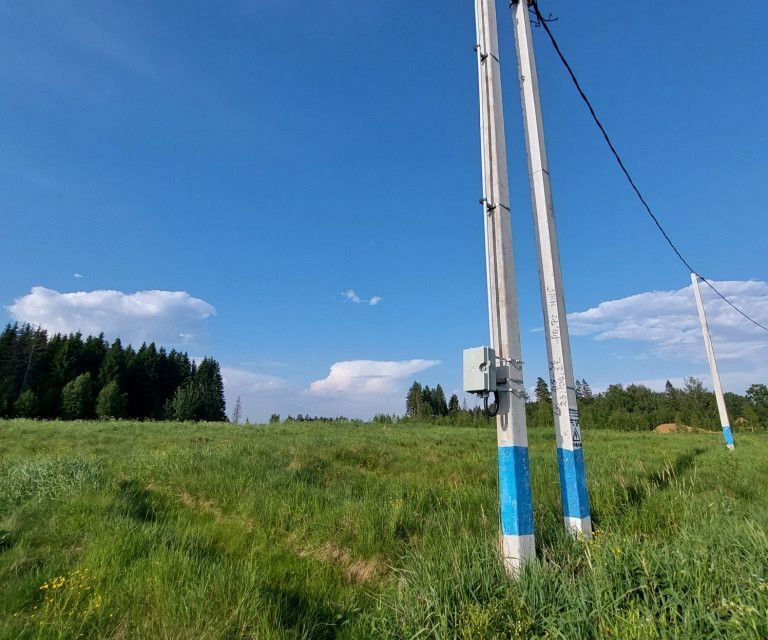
pixel 46 478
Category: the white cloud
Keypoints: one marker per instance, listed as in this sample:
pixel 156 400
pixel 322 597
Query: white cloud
pixel 77 275
pixel 366 377
pixel 668 321
pixel 168 317
pixel 240 382
pixel 352 296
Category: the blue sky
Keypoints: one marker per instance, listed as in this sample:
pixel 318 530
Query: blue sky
pixel 261 159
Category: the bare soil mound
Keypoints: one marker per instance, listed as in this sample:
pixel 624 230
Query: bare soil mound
pixel 672 427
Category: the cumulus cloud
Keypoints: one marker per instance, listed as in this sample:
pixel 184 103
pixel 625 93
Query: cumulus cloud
pixel 352 296
pixel 77 275
pixel 168 317
pixel 668 321
pixel 365 377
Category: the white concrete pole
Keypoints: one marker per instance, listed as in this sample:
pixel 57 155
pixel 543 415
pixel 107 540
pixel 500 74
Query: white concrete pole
pixel 573 488
pixel 516 507
pixel 724 421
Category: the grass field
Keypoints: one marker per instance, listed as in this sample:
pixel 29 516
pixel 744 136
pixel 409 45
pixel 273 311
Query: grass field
pixel 126 530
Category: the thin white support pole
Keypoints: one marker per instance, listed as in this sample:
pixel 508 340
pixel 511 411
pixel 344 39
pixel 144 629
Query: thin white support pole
pixel 573 487
pixel 516 507
pixel 724 421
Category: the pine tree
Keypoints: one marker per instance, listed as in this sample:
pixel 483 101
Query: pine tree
pixel 453 405
pixel 542 391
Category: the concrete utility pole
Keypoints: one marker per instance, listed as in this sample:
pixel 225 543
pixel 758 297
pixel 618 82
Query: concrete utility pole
pixel 512 435
pixel 727 433
pixel 570 457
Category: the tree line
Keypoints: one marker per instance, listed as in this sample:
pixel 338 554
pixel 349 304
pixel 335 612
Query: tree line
pixel 634 407
pixel 73 377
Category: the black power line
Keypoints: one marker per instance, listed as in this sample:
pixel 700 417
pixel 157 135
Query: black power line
pixel 542 21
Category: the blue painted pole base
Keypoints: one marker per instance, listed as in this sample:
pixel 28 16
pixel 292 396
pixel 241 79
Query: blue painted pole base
pixel 573 491
pixel 728 436
pixel 515 492
pixel 517 539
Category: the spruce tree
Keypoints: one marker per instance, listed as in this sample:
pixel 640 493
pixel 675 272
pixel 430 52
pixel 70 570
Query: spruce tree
pixel 413 401
pixel 209 382
pixel 542 391
pixel 438 400
pixel 113 365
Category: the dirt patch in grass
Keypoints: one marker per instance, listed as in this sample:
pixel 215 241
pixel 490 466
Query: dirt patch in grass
pixel 356 570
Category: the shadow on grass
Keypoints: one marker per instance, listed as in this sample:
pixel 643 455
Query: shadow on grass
pixel 301 613
pixel 136 501
pixel 659 480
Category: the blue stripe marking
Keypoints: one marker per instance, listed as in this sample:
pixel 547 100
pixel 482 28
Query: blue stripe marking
pixel 728 435
pixel 515 491
pixel 573 483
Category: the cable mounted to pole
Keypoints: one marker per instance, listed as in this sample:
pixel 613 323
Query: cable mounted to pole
pixel 542 22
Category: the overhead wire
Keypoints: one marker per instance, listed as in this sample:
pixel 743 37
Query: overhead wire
pixel 542 21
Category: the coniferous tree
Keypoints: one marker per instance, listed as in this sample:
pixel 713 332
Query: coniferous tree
pixel 112 367
pixel 438 401
pixel 208 380
pixel 453 405
pixel 542 391
pixel 413 401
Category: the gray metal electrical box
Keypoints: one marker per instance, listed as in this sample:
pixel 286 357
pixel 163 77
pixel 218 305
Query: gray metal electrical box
pixel 479 370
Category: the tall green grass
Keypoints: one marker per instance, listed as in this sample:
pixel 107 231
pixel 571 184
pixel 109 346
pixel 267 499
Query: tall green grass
pixel 131 530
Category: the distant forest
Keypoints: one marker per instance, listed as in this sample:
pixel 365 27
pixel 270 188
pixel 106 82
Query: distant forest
pixel 71 377
pixel 631 408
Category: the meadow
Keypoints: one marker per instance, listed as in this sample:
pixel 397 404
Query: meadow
pixel 179 530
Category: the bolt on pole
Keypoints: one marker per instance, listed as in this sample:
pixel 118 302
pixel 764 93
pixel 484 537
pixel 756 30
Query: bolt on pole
pixel 570 456
pixel 724 421
pixel 516 506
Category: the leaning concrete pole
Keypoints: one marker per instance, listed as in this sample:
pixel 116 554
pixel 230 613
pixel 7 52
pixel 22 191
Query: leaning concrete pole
pixel 516 512
pixel 570 457
pixel 727 433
